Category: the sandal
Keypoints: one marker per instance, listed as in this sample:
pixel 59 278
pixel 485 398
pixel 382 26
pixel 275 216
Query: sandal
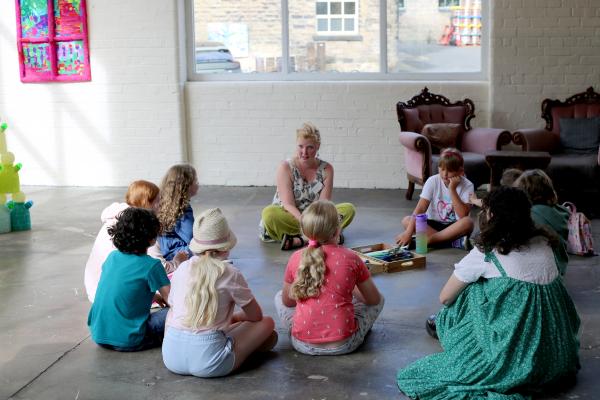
pixel 288 242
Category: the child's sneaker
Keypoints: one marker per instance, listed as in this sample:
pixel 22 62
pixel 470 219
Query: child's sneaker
pixel 463 243
pixel 430 326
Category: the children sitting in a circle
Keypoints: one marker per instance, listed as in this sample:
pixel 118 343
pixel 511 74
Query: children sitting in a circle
pixel 507 326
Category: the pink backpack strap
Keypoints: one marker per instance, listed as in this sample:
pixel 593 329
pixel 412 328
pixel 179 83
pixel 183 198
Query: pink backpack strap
pixel 570 206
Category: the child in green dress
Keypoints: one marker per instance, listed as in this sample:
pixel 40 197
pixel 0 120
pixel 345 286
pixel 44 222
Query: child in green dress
pixel 509 327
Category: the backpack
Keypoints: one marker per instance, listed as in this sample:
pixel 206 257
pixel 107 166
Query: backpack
pixel 580 240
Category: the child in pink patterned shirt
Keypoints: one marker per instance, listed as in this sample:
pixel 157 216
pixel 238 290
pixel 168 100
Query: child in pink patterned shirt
pixel 329 301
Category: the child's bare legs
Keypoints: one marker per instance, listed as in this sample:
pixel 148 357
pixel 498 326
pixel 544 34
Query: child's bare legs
pixel 249 336
pixel 464 226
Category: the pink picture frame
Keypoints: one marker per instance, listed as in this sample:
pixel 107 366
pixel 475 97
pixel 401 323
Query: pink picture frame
pixel 52 41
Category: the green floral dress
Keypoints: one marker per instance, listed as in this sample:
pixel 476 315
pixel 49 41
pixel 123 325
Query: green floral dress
pixel 503 338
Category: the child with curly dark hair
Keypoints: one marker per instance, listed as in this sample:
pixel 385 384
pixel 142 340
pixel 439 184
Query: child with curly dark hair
pixel 120 317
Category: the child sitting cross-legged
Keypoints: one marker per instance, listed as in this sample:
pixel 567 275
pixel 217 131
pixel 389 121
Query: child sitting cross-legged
pixel 546 211
pixel 175 212
pixel 445 199
pixel 329 301
pixel 204 336
pixel 120 317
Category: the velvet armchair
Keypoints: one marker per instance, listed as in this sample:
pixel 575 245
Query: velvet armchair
pixel 421 155
pixel 571 136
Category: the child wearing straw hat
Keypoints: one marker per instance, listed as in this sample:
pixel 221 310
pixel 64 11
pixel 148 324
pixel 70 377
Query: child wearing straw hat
pixel 204 336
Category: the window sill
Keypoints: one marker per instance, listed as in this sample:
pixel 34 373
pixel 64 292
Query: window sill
pixel 337 38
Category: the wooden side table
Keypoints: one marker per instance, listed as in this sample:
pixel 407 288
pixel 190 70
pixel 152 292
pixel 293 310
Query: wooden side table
pixel 499 160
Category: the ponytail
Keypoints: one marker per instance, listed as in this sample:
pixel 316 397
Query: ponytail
pixel 310 274
pixel 202 299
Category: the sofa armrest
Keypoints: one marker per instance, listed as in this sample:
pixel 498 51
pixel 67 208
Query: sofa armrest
pixel 536 139
pixel 414 141
pixel 480 140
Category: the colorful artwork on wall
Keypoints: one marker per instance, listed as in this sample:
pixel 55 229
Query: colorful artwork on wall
pixel 53 40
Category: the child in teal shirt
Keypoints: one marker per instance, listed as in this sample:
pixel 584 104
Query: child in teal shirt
pixel 546 211
pixel 120 317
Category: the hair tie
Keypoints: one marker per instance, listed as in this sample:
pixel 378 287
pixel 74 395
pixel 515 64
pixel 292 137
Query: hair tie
pixel 313 243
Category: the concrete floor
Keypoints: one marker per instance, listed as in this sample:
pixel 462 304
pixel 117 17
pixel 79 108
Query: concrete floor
pixel 46 352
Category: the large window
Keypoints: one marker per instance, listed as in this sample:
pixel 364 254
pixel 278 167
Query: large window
pixel 336 39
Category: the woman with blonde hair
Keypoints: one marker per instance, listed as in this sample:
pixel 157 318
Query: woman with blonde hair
pixel 301 180
pixel 204 336
pixel 328 302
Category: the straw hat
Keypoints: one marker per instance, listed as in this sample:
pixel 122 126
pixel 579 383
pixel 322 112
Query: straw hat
pixel 211 232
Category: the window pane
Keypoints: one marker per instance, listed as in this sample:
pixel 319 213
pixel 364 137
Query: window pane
pixel 233 37
pixel 349 8
pixel 321 8
pixel 355 44
pixel 322 25
pixel 349 24
pixel 336 8
pixel 428 39
pixel 336 24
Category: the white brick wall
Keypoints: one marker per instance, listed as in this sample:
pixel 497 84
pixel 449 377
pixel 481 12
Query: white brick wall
pixel 541 49
pixel 239 132
pixel 130 121
pixel 125 124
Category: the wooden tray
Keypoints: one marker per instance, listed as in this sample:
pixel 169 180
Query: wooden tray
pixel 377 266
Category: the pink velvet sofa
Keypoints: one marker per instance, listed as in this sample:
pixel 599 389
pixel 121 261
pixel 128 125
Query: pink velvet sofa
pixel 421 157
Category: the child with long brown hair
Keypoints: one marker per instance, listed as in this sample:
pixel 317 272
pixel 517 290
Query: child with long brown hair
pixel 508 328
pixel 175 213
pixel 329 301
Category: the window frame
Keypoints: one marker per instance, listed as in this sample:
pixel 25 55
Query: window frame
pixel 53 39
pixel 329 16
pixel 448 6
pixel 285 75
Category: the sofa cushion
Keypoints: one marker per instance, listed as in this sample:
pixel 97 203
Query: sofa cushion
pixel 580 135
pixel 441 135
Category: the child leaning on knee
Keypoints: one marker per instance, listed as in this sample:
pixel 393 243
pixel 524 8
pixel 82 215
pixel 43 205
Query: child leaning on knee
pixel 329 301
pixel 204 336
pixel 120 317
pixel 175 213
pixel 546 211
pixel 445 200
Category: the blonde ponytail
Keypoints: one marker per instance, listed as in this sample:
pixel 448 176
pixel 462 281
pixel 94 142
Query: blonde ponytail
pixel 319 223
pixel 310 274
pixel 202 299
